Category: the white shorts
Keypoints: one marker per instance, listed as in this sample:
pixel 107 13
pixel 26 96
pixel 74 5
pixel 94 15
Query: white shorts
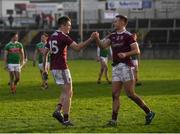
pixel 62 76
pixel 14 67
pixel 41 66
pixel 122 72
pixel 104 59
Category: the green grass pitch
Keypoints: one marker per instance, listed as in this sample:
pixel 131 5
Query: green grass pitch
pixel 30 110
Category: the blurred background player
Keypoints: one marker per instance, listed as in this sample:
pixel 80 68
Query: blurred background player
pixel 102 56
pixel 14 60
pixel 57 47
pixel 25 61
pixel 136 60
pixel 39 51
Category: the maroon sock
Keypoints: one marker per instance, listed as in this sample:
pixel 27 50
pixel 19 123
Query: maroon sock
pixel 114 116
pixel 66 117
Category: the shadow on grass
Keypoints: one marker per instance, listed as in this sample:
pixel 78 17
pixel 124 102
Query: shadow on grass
pixel 30 91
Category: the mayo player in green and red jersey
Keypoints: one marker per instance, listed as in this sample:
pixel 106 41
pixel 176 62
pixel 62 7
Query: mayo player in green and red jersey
pixel 102 57
pixel 14 60
pixel 39 51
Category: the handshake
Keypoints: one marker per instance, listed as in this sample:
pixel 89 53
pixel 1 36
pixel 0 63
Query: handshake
pixel 94 36
pixel 100 43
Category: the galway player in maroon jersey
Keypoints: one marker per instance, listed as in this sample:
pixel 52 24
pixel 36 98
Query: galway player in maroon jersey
pixel 57 47
pixel 123 47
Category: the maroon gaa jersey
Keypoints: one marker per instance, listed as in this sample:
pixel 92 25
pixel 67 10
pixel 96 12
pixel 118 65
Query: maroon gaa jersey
pixel 120 42
pixel 57 45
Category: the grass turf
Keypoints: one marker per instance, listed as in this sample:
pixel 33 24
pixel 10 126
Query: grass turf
pixel 30 110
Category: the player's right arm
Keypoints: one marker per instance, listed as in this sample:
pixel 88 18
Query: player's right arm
pixel 22 59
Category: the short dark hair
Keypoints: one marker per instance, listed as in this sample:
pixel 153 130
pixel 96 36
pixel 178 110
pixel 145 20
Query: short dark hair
pixel 123 18
pixel 12 34
pixel 45 34
pixel 63 20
